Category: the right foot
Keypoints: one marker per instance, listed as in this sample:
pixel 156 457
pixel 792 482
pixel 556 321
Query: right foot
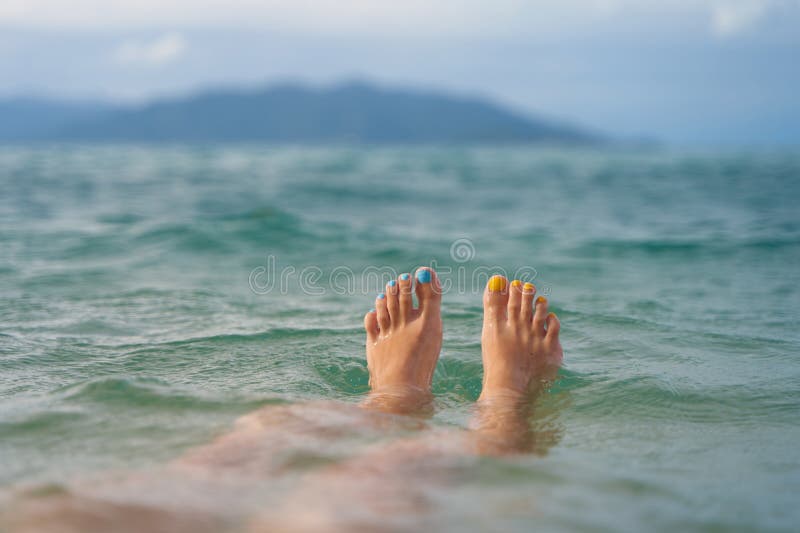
pixel 519 341
pixel 403 343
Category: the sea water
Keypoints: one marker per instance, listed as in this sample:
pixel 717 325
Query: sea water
pixel 151 295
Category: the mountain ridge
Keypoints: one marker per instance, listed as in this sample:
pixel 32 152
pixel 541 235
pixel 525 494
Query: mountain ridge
pixel 353 112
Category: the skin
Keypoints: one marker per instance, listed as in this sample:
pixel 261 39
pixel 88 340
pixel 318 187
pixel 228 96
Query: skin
pixel 403 344
pixel 520 349
pixel 519 341
pixel 521 352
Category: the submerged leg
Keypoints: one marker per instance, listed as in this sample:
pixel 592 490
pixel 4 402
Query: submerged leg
pixel 329 455
pixel 521 355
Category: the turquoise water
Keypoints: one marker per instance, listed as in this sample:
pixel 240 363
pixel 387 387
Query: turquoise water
pixel 137 319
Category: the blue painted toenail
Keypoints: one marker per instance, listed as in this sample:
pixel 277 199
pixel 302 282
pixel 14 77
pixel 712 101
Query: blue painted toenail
pixel 371 310
pixel 392 283
pixel 424 276
pixel 404 277
pixel 381 296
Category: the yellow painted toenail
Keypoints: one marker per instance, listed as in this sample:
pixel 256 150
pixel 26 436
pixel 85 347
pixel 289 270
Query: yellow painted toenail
pixel 529 287
pixel 541 300
pixel 516 283
pixel 554 316
pixel 497 284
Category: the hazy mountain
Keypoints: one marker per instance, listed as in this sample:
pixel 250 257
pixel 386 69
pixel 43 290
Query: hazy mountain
pixel 354 112
pixel 32 118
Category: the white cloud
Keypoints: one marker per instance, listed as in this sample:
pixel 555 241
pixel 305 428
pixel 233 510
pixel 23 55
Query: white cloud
pixel 732 18
pixel 163 50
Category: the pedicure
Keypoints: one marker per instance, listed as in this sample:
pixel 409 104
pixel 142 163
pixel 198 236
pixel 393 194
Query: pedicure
pixel 497 284
pixel 529 287
pixel 541 300
pixel 372 310
pixel 516 283
pixel 554 316
pixel 392 283
pixel 381 296
pixel 424 276
pixel 404 277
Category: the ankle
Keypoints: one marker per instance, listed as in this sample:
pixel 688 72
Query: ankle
pixel 502 395
pixel 398 398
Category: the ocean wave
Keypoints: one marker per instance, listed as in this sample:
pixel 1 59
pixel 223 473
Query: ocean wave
pixel 229 232
pixel 458 380
pixel 145 392
pixel 706 246
pixel 41 421
pixel 649 397
pixel 261 336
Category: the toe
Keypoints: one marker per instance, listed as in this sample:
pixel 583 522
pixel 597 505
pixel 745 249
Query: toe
pixel 404 285
pixel 539 316
pixel 429 291
pixel 495 298
pixel 384 321
pixel 371 325
pixel 526 307
pixel 514 299
pixel 553 327
pixel 393 302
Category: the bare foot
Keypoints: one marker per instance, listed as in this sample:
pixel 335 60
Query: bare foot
pixel 403 343
pixel 520 346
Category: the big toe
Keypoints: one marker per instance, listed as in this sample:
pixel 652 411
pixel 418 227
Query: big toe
pixel 429 291
pixel 495 298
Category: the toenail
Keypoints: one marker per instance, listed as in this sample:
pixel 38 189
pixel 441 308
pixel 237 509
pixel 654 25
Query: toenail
pixel 424 276
pixel 497 283
pixel 554 315
pixel 404 277
pixel 529 287
pixel 392 283
pixel 372 310
pixel 541 300
pixel 381 296
pixel 516 283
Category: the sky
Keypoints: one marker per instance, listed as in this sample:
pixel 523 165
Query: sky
pixel 682 71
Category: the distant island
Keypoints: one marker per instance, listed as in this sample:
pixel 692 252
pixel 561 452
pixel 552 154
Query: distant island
pixel 288 113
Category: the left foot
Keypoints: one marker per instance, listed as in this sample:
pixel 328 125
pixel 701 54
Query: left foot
pixel 403 343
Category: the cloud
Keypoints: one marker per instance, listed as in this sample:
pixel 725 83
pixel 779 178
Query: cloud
pixel 161 51
pixel 732 18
